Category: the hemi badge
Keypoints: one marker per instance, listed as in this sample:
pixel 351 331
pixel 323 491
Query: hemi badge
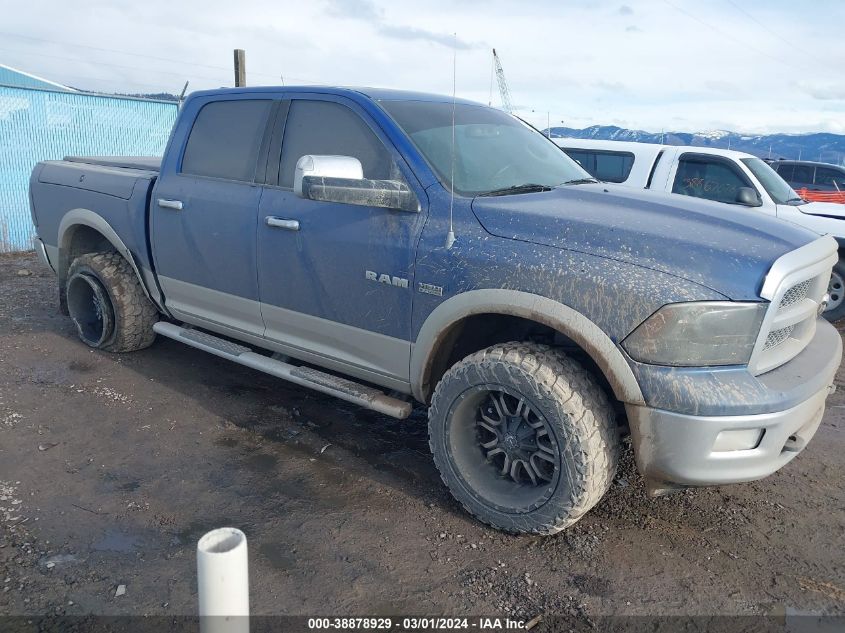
pixel 431 289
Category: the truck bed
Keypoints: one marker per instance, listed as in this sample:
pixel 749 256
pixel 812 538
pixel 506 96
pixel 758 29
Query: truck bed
pixel 99 192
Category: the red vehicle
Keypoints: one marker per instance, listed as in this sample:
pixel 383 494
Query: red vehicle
pixel 822 196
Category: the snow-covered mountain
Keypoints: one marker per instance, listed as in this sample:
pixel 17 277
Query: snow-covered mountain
pixel 829 148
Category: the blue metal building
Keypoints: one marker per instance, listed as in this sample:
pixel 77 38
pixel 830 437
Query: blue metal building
pixel 13 77
pixel 42 120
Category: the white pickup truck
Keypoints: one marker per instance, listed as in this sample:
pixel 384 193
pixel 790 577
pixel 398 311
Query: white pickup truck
pixel 720 175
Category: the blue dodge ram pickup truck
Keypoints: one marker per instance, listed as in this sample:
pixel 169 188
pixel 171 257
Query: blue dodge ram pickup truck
pixel 386 247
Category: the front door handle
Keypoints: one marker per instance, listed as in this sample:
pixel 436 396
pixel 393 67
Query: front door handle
pixel 170 204
pixel 281 223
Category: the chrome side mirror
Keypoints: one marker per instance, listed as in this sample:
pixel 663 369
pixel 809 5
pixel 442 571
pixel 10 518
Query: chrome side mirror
pixel 326 167
pixel 340 179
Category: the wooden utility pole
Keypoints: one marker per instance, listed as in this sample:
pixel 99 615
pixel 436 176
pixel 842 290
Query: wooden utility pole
pixel 240 67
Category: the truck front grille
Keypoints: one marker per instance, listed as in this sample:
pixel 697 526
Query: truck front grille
pixel 795 294
pixel 795 287
pixel 777 337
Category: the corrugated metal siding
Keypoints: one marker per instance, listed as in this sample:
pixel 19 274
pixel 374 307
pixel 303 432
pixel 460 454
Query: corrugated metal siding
pixel 38 125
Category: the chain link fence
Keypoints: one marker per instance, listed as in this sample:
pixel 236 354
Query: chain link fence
pixel 38 125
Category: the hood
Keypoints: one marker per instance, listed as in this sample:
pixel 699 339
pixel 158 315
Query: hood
pixel 725 248
pixel 824 209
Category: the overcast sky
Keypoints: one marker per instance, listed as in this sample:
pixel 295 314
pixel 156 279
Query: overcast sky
pixel 752 66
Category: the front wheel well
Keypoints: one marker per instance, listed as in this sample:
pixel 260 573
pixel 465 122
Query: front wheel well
pixel 480 331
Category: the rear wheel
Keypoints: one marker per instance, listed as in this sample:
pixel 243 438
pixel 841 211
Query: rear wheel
pixel 836 291
pixel 108 305
pixel 523 437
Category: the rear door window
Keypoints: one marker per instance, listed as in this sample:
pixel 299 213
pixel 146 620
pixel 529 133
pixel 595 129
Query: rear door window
pixel 585 159
pixel 225 139
pixel 608 166
pixel 328 128
pixel 786 172
pixel 803 175
pixel 825 176
pixel 702 177
pixel 613 166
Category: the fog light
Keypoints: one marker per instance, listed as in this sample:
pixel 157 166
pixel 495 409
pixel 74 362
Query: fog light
pixel 743 440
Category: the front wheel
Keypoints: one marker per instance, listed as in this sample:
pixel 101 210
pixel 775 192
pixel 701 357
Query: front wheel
pixel 836 291
pixel 523 437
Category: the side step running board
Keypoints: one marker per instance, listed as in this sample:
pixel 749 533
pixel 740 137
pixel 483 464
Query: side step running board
pixel 319 381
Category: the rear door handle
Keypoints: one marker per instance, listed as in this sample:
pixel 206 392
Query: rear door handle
pixel 170 204
pixel 281 223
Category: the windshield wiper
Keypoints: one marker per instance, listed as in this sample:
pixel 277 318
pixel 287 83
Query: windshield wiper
pixel 791 200
pixel 580 181
pixel 514 189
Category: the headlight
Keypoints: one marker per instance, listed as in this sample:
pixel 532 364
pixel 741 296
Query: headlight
pixel 697 334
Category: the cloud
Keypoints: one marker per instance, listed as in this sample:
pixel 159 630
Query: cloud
pixel 610 86
pixel 824 91
pixel 550 65
pixel 368 11
pixel 727 88
pixel 356 9
pixel 412 33
pixel 626 10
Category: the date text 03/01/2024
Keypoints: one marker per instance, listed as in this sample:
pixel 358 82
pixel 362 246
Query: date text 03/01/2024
pixel 422 623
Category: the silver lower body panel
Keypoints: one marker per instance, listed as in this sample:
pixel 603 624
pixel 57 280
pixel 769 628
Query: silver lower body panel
pixel 675 448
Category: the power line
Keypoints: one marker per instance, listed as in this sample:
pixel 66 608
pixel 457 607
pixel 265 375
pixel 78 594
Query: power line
pixel 274 76
pixel 109 65
pixel 114 82
pixel 728 35
pixel 770 31
pixel 112 50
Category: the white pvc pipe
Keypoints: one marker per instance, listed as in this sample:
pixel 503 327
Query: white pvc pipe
pixel 223 581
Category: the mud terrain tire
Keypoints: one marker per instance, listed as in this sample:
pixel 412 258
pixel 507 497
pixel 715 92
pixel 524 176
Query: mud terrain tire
pixel 108 305
pixel 562 405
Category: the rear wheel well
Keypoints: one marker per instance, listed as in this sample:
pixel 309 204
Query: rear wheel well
pixel 85 239
pixel 480 331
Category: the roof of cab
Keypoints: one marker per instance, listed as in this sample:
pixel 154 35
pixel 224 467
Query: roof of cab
pixel 618 146
pixel 374 94
pixel 786 161
pixel 643 149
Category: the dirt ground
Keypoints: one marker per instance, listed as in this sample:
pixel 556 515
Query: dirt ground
pixel 112 466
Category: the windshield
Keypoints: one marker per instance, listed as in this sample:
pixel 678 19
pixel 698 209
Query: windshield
pixel 774 185
pixel 494 151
